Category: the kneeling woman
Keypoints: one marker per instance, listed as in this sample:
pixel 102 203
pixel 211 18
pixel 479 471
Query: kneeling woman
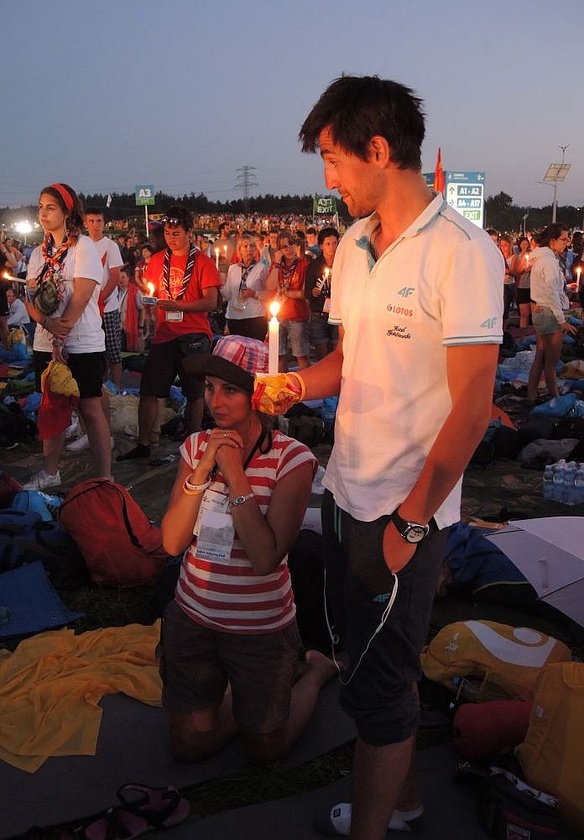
pixel 237 504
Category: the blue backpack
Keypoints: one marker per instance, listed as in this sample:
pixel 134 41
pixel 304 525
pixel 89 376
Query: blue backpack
pixel 25 537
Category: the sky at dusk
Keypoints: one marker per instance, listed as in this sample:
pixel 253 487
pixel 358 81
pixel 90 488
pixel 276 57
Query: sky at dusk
pixel 182 94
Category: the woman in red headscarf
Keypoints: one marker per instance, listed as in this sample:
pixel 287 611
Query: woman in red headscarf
pixel 63 283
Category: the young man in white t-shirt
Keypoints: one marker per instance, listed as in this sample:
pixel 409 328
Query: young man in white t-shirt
pixel 111 259
pixel 417 297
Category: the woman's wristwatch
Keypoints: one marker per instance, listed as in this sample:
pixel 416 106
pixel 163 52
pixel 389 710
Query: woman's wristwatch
pixel 241 500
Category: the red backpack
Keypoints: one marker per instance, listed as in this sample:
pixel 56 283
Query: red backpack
pixel 119 543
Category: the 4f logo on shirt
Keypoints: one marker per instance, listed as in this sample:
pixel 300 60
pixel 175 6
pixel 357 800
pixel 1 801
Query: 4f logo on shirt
pixel 489 323
pixel 406 291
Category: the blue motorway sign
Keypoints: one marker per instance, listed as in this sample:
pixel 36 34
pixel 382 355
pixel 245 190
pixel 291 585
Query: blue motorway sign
pixel 465 192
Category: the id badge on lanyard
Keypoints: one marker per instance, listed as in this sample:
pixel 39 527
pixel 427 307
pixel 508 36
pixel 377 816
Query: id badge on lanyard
pixel 214 528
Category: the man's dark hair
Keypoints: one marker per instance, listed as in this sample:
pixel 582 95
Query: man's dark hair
pixel 94 211
pixel 327 231
pixel 311 230
pixel 358 108
pixel 183 214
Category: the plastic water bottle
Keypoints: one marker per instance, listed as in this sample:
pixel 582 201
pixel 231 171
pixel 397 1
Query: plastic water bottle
pixel 579 484
pixel 559 468
pixel 548 482
pixel 569 477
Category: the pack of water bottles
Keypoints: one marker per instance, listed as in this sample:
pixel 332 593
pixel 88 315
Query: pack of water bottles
pixel 564 482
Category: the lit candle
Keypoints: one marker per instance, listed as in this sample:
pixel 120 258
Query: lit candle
pixel 578 274
pixel 273 339
pixel 149 299
pixel 11 279
pixel 217 257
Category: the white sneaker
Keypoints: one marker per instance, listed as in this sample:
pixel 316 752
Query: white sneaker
pixel 82 443
pixel 43 480
pixel 74 429
pixel 79 445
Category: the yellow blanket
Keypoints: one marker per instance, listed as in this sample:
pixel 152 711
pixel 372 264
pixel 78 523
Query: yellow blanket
pixel 50 687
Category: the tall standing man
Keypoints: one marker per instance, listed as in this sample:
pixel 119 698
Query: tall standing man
pixel 111 260
pixel 417 296
pixel 186 283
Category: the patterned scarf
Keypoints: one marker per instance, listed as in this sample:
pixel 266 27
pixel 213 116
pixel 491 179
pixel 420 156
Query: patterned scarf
pixel 186 277
pixel 285 275
pixel 245 269
pixel 51 283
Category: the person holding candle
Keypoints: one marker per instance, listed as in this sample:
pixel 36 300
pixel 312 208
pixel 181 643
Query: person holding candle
pixel 244 290
pixel 549 304
pixel 8 264
pixel 236 507
pixel 224 249
pixel 186 285
pixel 322 335
pixel 578 265
pixel 520 268
pixel 287 277
pixel 414 370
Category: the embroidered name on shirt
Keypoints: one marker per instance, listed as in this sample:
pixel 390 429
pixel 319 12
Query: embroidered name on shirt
pixel 399 332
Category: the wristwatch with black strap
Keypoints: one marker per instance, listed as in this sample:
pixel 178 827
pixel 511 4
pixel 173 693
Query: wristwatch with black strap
pixel 412 532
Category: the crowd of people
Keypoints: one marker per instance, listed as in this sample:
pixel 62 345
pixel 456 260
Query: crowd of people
pixel 362 316
pixel 543 270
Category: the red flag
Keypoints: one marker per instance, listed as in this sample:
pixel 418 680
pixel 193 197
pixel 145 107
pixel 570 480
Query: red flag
pixel 439 182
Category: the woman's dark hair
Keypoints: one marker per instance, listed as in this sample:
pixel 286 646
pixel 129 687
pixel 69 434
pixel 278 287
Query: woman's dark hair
pixel 327 231
pixel 553 231
pixel 285 235
pixel 358 108
pixel 70 204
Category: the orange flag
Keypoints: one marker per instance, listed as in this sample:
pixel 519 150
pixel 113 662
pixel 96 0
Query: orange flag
pixel 439 182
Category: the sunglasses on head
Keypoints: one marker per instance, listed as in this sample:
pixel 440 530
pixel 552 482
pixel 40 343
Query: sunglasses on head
pixel 172 221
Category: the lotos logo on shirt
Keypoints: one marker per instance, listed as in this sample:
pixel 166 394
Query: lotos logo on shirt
pixel 399 310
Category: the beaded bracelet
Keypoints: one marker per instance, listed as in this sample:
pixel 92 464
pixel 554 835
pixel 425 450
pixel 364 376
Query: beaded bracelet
pixel 195 489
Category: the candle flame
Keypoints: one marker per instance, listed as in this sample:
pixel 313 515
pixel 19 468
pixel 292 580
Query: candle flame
pixel 216 252
pixel 150 289
pixel 7 276
pixel 274 308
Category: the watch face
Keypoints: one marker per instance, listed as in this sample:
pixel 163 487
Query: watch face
pixel 415 533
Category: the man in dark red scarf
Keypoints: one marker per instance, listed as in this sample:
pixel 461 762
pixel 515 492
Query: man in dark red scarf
pixel 185 283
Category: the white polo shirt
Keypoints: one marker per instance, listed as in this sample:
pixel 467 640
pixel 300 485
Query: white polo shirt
pixel 440 284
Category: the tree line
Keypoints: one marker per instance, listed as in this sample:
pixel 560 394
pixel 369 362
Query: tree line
pixel 503 215
pixel 500 212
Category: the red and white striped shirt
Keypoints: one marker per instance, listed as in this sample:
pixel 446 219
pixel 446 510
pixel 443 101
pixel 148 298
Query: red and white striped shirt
pixel 233 598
